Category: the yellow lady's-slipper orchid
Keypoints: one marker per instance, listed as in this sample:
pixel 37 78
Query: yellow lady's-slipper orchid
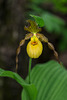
pixel 34 47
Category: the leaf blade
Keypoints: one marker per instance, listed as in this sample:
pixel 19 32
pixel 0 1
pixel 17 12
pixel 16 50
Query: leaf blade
pixel 29 88
pixel 38 20
pixel 49 79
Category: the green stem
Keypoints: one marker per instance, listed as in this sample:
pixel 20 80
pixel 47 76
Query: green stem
pixel 30 62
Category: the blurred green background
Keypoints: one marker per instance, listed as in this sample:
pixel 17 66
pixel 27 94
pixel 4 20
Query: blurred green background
pixel 13 16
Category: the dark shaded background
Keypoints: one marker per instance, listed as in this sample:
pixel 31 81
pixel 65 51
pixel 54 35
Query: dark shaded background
pixel 13 16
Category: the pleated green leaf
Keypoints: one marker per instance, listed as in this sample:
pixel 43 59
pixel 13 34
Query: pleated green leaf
pixel 30 89
pixel 50 80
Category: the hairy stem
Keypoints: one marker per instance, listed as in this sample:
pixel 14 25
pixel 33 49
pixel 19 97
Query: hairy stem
pixel 30 62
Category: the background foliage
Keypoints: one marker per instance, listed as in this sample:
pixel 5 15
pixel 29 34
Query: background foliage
pixel 54 23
